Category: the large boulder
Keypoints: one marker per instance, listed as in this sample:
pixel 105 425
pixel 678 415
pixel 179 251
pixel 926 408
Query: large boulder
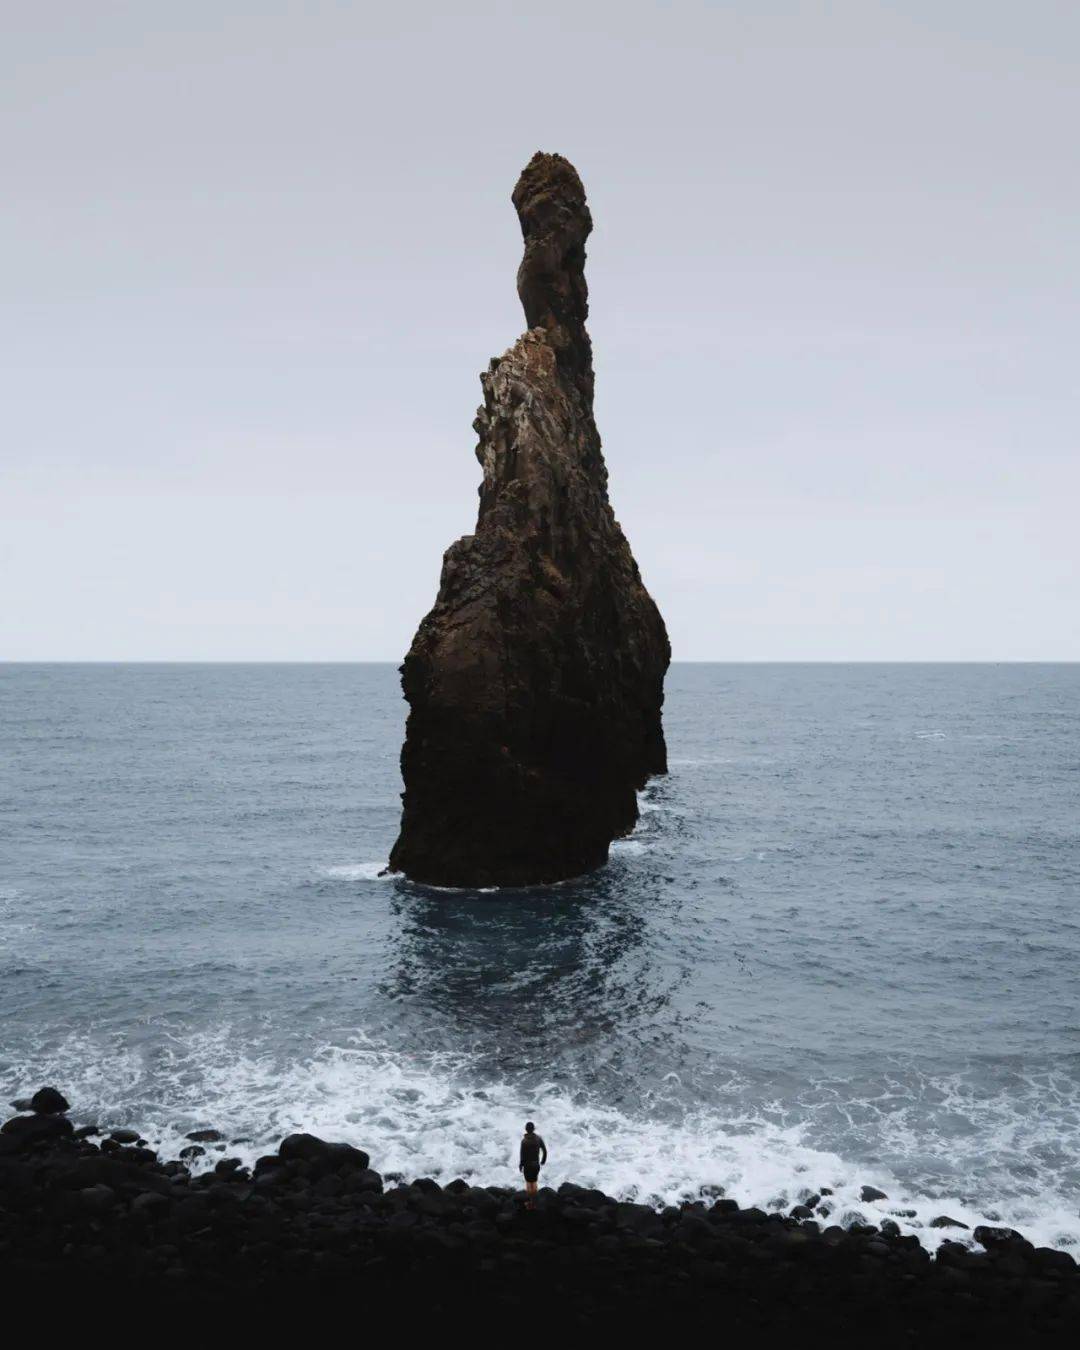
pixel 49 1101
pixel 1006 1241
pixel 325 1156
pixel 25 1131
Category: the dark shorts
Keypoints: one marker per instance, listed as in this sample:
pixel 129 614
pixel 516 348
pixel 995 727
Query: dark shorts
pixel 531 1170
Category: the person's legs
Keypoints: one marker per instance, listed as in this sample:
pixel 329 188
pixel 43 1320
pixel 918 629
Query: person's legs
pixel 530 1194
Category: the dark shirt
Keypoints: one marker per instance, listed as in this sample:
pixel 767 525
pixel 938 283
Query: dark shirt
pixel 533 1148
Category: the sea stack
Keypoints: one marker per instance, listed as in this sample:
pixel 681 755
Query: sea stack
pixel 535 684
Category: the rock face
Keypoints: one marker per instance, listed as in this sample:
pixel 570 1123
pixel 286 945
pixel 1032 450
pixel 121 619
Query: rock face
pixel 535 684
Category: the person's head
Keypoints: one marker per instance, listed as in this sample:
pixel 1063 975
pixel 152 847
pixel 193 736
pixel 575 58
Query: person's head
pixel 529 1127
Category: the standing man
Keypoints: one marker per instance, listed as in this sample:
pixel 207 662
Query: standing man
pixel 533 1157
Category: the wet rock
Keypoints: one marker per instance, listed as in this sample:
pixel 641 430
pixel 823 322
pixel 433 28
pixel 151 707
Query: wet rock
pixel 204 1136
pixel 953 1254
pixel 943 1221
pixel 193 1151
pixel 995 1239
pixel 150 1205
pixel 97 1199
pixel 87 1131
pixel 367 1180
pixel 640 1219
pixel 535 683
pixel 1048 1258
pixel 22 1104
pixel 587 1196
pixel 139 1156
pixel 869 1193
pixel 748 1217
pixel 107 1169
pixel 124 1136
pixel 308 1148
pixel 22 1132
pixel 49 1101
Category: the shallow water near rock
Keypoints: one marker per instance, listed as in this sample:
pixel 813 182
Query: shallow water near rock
pixel 840 949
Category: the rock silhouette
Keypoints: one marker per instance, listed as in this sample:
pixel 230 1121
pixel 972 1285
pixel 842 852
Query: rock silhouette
pixel 535 684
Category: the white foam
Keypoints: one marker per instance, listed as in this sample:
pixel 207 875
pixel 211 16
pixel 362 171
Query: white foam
pixel 365 871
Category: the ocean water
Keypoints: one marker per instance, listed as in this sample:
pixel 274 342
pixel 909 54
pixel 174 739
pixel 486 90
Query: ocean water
pixel 841 948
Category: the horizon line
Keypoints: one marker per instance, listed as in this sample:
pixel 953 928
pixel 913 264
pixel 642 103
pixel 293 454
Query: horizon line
pixel 678 661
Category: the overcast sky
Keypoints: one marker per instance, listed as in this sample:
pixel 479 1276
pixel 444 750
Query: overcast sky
pixel 254 256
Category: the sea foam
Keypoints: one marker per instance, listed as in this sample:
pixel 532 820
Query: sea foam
pixel 424 1115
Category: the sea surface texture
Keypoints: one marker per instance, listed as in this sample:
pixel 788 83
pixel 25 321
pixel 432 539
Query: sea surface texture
pixel 841 948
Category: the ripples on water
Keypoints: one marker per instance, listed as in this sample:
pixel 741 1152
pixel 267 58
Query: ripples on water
pixel 840 948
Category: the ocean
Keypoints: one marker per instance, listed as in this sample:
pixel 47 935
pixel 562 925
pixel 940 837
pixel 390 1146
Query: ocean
pixel 841 949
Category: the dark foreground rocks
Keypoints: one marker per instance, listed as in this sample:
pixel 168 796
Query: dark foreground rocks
pixel 535 683
pixel 312 1234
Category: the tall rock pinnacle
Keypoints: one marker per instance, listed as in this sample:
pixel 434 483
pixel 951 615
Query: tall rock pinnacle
pixel 535 683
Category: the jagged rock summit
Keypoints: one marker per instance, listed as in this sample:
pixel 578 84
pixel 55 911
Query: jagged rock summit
pixel 535 683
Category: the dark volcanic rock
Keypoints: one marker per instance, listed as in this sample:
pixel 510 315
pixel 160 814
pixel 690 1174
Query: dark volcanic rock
pixel 24 1131
pixel 308 1148
pixel 48 1101
pixel 84 1228
pixel 1002 1239
pixel 535 683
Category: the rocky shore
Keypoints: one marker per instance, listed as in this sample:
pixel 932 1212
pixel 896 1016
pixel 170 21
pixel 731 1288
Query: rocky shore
pixel 313 1230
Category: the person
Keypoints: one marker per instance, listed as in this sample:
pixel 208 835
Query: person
pixel 533 1157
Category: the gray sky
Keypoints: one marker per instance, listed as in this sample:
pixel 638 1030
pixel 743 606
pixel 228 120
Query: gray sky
pixel 254 256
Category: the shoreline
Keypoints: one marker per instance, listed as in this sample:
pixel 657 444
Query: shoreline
pixel 82 1211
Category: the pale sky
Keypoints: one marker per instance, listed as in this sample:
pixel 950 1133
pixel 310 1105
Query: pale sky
pixel 253 258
